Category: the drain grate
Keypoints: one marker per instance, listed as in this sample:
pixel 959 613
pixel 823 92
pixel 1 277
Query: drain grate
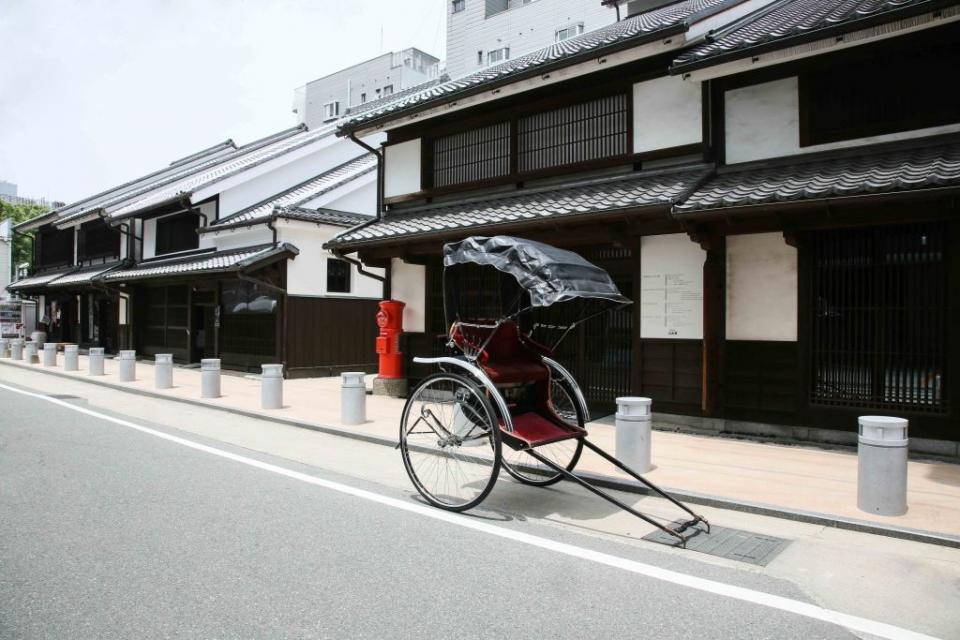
pixel 732 544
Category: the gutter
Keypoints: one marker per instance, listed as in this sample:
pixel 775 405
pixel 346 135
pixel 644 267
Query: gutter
pixel 380 170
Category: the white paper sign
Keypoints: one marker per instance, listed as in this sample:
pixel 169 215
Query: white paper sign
pixel 671 290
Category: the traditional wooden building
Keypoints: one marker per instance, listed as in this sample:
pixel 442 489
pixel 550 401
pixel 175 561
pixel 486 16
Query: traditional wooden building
pixel 773 183
pixel 220 255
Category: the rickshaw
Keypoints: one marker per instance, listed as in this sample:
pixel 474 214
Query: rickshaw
pixel 500 399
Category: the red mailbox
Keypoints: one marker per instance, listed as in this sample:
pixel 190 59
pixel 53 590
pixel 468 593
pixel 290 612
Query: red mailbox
pixel 390 321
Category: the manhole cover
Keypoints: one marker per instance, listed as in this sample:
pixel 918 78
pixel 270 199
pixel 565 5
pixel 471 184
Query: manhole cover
pixel 732 544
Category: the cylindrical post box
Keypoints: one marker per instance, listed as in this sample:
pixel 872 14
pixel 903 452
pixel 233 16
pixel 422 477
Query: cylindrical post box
pixel 210 378
pixel 353 398
pixel 95 361
pixel 163 371
pixel 390 321
pixel 127 365
pixel 882 465
pixel 31 352
pixel 633 425
pixel 50 354
pixel 16 349
pixel 4 347
pixel 271 386
pixel 71 357
pixel 39 338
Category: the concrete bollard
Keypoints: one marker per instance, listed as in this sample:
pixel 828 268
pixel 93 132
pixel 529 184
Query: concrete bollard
pixel 271 386
pixel 4 347
pixel 353 398
pixel 127 365
pixel 30 355
pixel 882 465
pixel 50 354
pixel 39 338
pixel 163 371
pixel 16 349
pixel 95 364
pixel 71 357
pixel 210 378
pixel 634 422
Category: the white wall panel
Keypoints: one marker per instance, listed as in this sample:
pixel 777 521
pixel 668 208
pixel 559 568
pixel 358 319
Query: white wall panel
pixel 761 288
pixel 307 273
pixel 671 299
pixel 408 283
pixel 667 112
pixel 402 168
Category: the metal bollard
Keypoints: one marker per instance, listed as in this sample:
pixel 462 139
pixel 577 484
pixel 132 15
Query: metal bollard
pixel 95 364
pixel 50 354
pixel 210 378
pixel 127 365
pixel 353 398
pixel 271 386
pixel 4 347
pixel 16 349
pixel 163 371
pixel 633 421
pixel 31 352
pixel 71 357
pixel 882 465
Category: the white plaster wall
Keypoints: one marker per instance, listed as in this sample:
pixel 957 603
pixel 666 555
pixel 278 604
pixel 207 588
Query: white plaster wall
pixel 237 238
pixel 667 112
pixel 307 273
pixel 402 168
pixel 362 199
pixel 149 239
pixel 763 121
pixel 671 299
pixel 408 283
pixel 761 288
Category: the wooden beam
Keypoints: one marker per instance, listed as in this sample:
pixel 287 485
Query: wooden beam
pixel 714 320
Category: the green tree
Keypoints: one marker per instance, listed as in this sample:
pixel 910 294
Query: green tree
pixel 22 245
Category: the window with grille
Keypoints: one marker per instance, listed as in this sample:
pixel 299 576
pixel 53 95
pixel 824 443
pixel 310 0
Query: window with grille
pixel 54 247
pixel 569 32
pixel 177 233
pixel 498 55
pixel 470 156
pixel 879 311
pixel 98 240
pixel 590 130
pixel 458 5
pixel 338 276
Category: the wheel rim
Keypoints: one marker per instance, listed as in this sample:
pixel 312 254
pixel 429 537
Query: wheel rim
pixel 450 444
pixel 564 454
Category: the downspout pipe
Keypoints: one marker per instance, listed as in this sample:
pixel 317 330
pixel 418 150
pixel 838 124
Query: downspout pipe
pixel 353 136
pixel 358 265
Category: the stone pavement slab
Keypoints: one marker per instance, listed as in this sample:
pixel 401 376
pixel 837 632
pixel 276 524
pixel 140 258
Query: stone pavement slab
pixel 795 478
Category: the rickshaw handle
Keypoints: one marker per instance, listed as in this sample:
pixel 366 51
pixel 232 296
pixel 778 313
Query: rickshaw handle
pixel 482 378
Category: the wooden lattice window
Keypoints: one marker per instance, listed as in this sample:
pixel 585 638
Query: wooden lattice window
pixel 472 156
pixel 879 313
pixel 591 130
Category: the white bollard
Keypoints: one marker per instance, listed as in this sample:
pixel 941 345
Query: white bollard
pixel 39 337
pixel 127 365
pixel 271 386
pixel 16 349
pixel 633 420
pixel 353 398
pixel 31 353
pixel 50 354
pixel 163 371
pixel 71 357
pixel 4 347
pixel 95 364
pixel 882 465
pixel 210 378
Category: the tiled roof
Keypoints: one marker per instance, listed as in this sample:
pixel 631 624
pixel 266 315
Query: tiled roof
pixel 82 277
pixel 306 191
pixel 220 171
pixel 39 280
pixel 326 216
pixel 885 169
pixel 409 91
pixel 213 262
pixel 119 196
pixel 790 22
pixel 643 27
pixel 661 188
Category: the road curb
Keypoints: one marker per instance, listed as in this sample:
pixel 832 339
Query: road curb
pixel 607 482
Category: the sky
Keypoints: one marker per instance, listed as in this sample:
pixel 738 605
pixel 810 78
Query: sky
pixel 94 93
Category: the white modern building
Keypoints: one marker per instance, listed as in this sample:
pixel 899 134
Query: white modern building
pixel 326 99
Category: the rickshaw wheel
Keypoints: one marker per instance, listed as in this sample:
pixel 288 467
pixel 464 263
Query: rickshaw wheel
pixel 566 453
pixel 450 442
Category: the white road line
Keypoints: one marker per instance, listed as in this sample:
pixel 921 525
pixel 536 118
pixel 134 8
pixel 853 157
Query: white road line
pixel 855 623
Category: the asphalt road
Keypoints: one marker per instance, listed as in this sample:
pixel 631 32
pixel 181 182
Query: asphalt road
pixel 109 532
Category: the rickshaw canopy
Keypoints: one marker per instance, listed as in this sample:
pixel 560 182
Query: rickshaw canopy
pixel 548 274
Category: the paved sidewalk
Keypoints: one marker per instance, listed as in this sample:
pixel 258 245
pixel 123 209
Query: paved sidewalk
pixel 794 478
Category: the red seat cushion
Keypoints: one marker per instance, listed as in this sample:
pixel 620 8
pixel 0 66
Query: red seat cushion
pixel 507 358
pixel 536 430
